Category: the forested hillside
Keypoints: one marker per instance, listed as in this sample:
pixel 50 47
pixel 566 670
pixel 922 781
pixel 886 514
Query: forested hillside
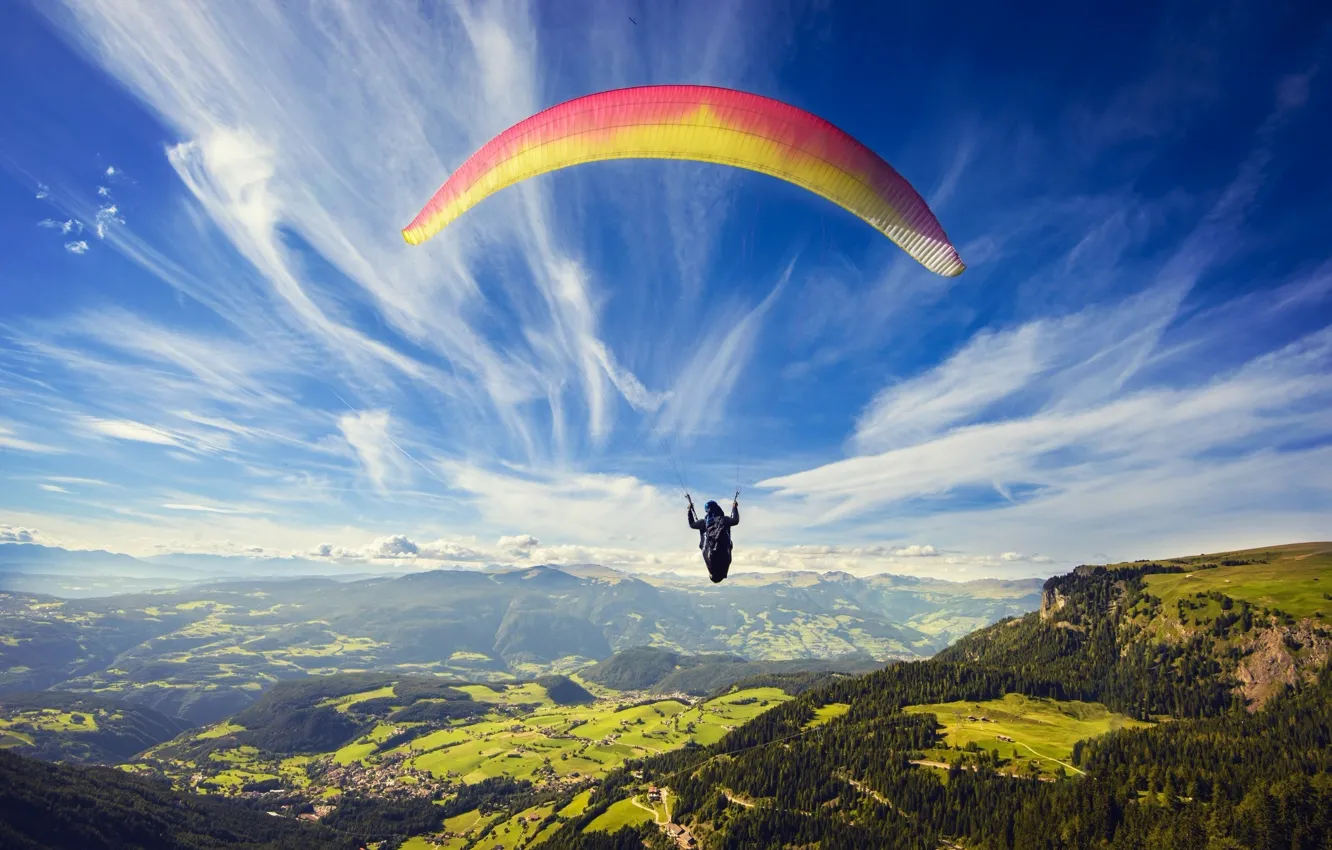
pixel 46 805
pixel 1203 759
pixel 59 726
pixel 646 668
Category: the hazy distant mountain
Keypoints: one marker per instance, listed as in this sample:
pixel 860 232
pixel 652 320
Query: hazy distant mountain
pixel 78 573
pixel 52 558
pixel 205 651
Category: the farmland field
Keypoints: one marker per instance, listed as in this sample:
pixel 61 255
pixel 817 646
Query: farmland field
pixel 522 735
pixel 581 741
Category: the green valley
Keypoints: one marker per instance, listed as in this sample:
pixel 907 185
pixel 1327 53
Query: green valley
pixel 204 653
pixel 1144 704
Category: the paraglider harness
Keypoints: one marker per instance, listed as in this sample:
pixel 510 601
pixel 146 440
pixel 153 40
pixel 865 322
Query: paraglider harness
pixel 715 541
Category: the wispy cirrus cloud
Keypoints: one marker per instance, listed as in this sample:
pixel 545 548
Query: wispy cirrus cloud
pixel 10 439
pixel 1064 405
pixel 255 175
pixel 264 365
pixel 125 429
pixel 207 509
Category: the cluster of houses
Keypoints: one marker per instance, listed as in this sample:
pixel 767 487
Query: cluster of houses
pixel 382 781
pixel 681 835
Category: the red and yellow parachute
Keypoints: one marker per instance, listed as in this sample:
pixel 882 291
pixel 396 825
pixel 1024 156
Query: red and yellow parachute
pixel 705 124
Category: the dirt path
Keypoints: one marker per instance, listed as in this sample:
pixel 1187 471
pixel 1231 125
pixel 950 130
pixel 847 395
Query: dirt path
pixel 656 818
pixel 939 764
pixel 1056 761
pixel 738 801
pixel 865 789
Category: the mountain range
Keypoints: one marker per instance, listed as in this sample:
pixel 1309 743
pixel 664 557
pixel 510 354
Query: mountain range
pixel 206 650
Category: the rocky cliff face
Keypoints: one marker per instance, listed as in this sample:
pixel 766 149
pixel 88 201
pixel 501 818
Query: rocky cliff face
pixel 1052 600
pixel 1281 655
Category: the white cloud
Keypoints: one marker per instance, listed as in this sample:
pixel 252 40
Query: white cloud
pixel 65 227
pixel 1056 447
pixel 43 191
pixel 196 364
pixel 70 479
pixel 14 534
pixel 206 509
pixel 260 152
pixel 569 506
pixel 106 216
pixel 368 433
pixel 112 171
pixel 400 547
pixel 1079 359
pixel 103 191
pixel 394 546
pixel 1076 405
pixel 448 550
pixel 127 429
pixel 519 546
pixel 9 439
pixel 52 488
pixel 79 247
pixel 916 550
pixel 990 367
pixel 698 399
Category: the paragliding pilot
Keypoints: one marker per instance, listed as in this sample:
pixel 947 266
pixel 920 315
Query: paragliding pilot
pixel 714 535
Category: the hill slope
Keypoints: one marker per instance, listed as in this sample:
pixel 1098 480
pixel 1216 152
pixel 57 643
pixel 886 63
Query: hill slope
pixel 63 726
pixel 662 671
pixel 846 766
pixel 48 805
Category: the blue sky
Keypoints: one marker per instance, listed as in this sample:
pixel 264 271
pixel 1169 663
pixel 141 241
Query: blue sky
pixel 214 339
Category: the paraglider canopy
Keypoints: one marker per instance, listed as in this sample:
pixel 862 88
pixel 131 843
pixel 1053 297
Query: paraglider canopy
pixel 705 124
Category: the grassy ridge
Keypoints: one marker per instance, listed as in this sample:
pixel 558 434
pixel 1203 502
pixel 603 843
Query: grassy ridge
pixel 1296 580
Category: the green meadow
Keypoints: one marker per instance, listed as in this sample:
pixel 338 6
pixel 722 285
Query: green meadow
pixel 1042 729
pixel 1293 579
pixel 579 741
pixel 629 812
